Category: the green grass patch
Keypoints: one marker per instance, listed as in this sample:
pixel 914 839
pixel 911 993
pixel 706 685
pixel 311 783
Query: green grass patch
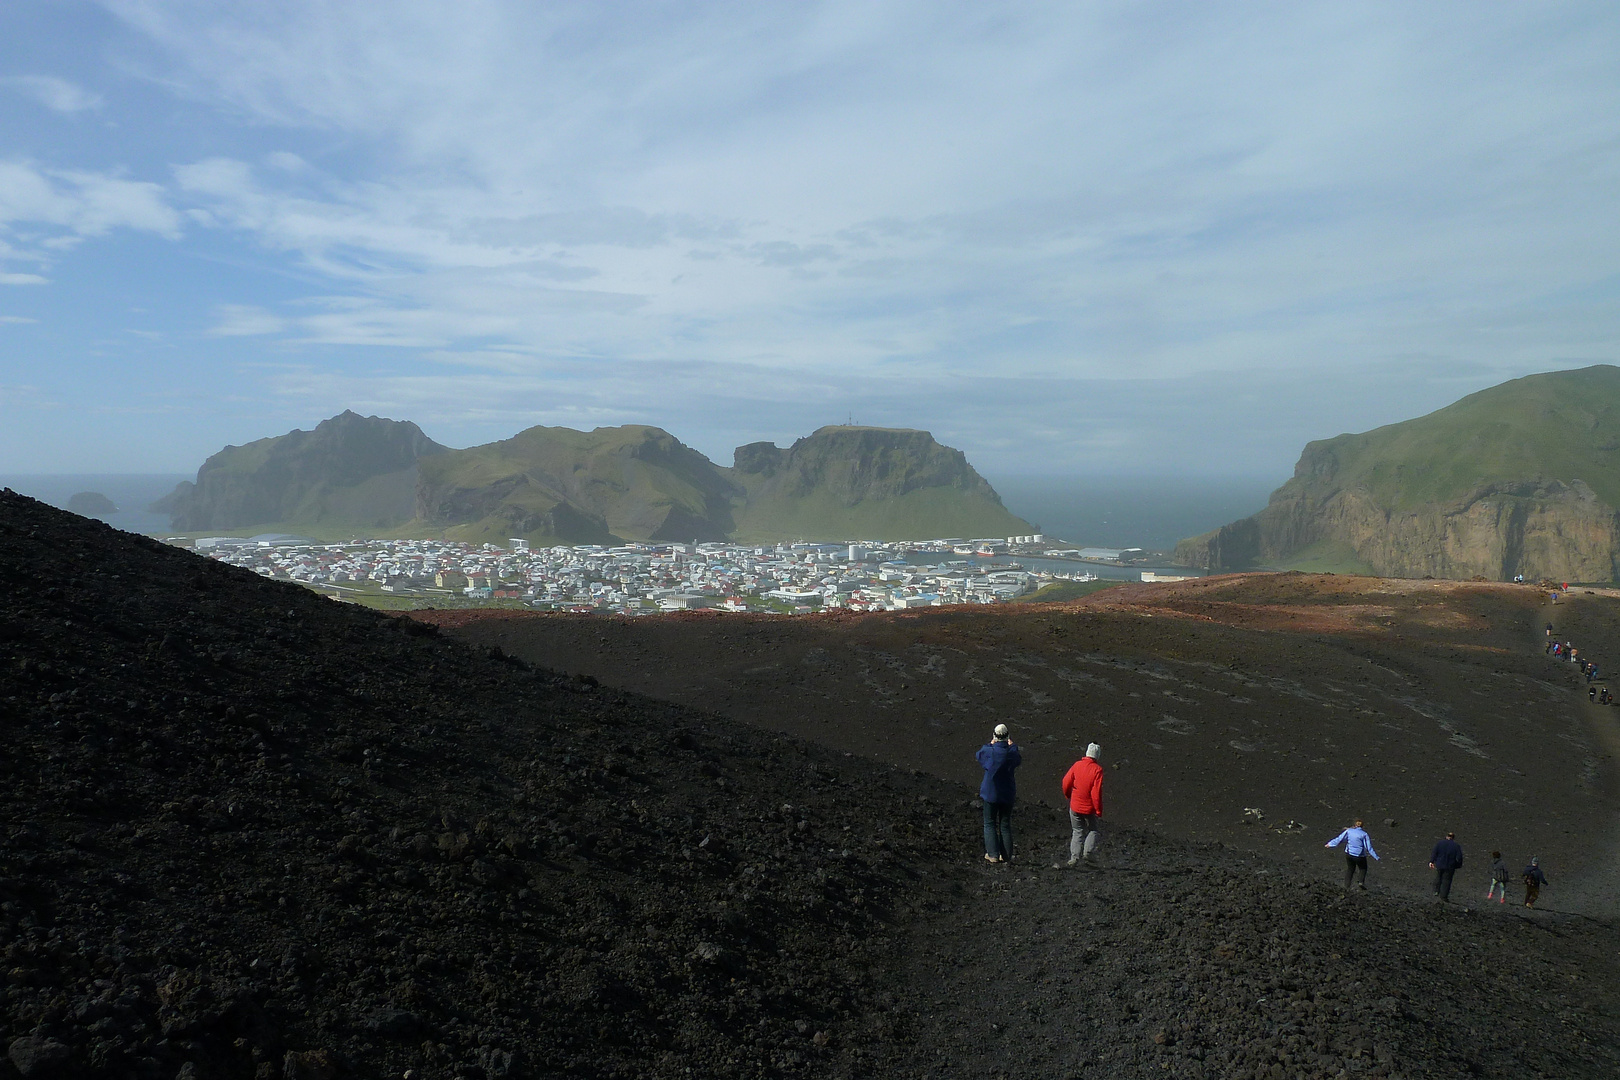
pixel 1328 557
pixel 1059 591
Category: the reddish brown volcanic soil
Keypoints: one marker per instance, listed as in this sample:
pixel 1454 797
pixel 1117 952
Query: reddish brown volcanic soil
pixel 1315 698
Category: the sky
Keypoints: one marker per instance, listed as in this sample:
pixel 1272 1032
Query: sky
pixel 1081 239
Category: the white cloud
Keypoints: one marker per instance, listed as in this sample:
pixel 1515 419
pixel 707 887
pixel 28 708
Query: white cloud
pixel 53 93
pixel 610 211
pixel 23 279
pixel 913 184
pixel 17 319
pixel 81 201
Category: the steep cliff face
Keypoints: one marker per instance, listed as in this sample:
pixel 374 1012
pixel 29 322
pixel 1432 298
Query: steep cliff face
pixel 577 487
pixel 1518 479
pixel 845 482
pixel 350 471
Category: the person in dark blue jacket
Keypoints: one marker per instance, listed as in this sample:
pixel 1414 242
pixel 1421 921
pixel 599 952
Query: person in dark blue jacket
pixel 999 757
pixel 1445 860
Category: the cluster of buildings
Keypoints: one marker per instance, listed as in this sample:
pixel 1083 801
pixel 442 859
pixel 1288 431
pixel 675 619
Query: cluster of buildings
pixel 648 578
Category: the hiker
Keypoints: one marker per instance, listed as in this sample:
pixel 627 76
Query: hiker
pixel 1357 846
pixel 1534 879
pixel 999 757
pixel 1549 631
pixel 1591 673
pixel 1445 860
pixel 1591 693
pixel 1082 784
pixel 1604 697
pixel 1499 879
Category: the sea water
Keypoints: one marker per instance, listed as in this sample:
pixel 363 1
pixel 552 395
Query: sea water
pixel 1149 512
pixel 132 493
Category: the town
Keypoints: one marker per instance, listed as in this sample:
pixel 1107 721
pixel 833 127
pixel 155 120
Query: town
pixel 640 579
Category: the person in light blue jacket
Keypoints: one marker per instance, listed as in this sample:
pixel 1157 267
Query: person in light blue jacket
pixel 1357 846
pixel 999 757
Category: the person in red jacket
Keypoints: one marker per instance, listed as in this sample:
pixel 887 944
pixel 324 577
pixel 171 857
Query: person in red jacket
pixel 1082 785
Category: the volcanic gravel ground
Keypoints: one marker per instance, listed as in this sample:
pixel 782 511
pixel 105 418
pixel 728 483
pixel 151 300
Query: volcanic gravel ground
pixel 1419 706
pixel 249 832
pixel 1189 961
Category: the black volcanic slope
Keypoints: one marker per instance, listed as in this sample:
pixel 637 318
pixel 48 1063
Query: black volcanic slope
pixel 249 832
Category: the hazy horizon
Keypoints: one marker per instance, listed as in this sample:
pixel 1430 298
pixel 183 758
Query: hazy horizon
pixel 1101 511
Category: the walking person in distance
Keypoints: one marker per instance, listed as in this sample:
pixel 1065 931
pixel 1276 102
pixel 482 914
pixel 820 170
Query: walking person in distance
pixel 1357 846
pixel 1445 860
pixel 1499 879
pixel 1534 879
pixel 1082 784
pixel 999 757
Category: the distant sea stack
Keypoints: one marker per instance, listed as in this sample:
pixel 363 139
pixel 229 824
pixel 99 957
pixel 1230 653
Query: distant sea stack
pixel 351 472
pixel 884 483
pixel 91 504
pixel 1523 478
pixel 577 487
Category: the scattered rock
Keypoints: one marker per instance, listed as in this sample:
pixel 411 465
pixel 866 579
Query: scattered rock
pixel 35 1055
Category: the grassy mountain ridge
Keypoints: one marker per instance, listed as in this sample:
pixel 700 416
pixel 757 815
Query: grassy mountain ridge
pixel 608 485
pixel 1520 478
pixel 1562 425
pixel 630 483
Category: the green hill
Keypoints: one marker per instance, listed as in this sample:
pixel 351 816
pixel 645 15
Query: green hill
pixel 558 485
pixel 1522 478
pixel 882 483
pixel 352 473
pixel 554 485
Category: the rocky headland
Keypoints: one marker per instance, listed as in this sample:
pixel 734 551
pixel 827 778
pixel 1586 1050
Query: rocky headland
pixel 1520 479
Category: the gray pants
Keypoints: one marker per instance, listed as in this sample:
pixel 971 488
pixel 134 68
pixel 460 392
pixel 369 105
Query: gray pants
pixel 1083 834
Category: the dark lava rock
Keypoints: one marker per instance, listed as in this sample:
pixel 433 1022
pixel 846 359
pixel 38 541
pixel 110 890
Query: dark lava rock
pixel 34 1055
pixel 249 828
pixel 251 832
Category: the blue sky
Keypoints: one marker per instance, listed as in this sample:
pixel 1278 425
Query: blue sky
pixel 1092 238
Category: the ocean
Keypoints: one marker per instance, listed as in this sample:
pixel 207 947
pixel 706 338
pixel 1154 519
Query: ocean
pixel 1149 512
pixel 132 493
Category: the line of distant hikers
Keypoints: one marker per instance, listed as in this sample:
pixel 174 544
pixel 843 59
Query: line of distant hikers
pixel 1445 860
pixel 1564 650
pixel 1082 786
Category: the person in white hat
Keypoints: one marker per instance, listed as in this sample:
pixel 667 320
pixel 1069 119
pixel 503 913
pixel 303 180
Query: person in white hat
pixel 1082 786
pixel 999 757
